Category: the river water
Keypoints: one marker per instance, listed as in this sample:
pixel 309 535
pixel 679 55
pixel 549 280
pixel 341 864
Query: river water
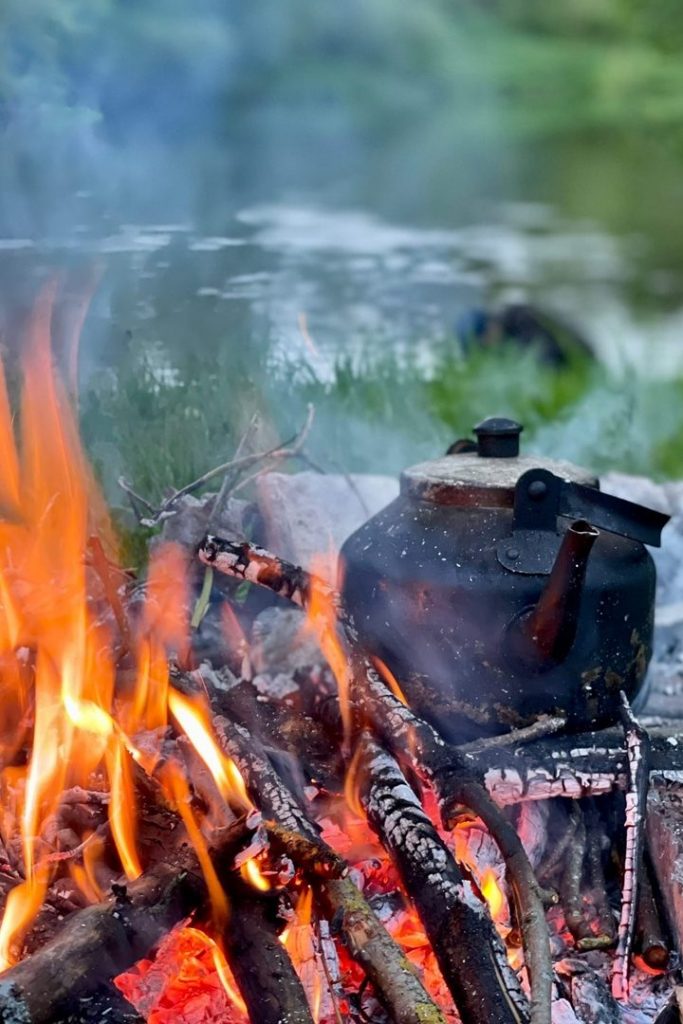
pixel 366 272
pixel 308 252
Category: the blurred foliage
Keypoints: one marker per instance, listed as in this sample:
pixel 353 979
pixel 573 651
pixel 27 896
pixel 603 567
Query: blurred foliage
pixel 161 428
pixel 120 66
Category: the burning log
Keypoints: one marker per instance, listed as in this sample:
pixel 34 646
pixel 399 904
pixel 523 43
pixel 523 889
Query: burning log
pixel 267 981
pixel 368 942
pixel 587 764
pixel 470 954
pixel 97 944
pixel 402 731
pixel 650 940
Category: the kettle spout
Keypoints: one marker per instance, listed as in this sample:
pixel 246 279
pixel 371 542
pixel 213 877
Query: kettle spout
pixel 551 626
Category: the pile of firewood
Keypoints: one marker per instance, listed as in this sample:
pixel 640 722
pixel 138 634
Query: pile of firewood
pixel 290 734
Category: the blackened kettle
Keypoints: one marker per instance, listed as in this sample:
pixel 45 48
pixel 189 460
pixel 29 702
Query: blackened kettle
pixel 498 587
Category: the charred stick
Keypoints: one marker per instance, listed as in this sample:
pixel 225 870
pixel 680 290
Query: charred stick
pixel 650 941
pixel 368 942
pixel 313 856
pixel 589 764
pixel 637 749
pixel 572 876
pixel 329 961
pixel 469 951
pixel 596 876
pixel 583 862
pixel 403 731
pixel 245 561
pixel 554 857
pixel 546 725
pixel 267 981
pixel 97 944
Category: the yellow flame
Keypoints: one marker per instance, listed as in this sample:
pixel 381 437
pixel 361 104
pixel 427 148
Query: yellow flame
pixel 252 874
pixel 322 617
pixel 492 893
pixel 192 720
pixel 23 903
pixel 122 808
pixel 390 679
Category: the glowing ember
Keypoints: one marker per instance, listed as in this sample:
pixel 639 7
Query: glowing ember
pixel 189 980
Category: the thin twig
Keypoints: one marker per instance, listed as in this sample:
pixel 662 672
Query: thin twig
pixel 101 565
pixel 136 500
pixel 546 725
pixel 230 477
pixel 287 450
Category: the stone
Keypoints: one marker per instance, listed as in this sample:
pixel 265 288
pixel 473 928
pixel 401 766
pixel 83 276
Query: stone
pixel 664 691
pixel 309 514
pixel 283 642
pixel 189 524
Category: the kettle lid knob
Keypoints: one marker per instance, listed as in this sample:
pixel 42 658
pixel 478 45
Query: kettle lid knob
pixel 498 438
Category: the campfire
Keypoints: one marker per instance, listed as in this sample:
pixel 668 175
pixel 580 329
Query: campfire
pixel 256 824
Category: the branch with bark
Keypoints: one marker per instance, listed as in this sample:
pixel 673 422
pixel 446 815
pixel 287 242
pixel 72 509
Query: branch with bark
pixel 150 515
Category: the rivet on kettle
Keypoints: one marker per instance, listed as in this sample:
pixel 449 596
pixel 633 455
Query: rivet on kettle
pixel 538 490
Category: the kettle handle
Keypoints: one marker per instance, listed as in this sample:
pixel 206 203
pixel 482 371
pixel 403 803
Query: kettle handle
pixel 541 496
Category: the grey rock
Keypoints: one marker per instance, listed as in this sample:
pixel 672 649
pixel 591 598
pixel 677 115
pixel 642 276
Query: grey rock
pixel 308 514
pixel 189 524
pixel 665 677
pixel 282 642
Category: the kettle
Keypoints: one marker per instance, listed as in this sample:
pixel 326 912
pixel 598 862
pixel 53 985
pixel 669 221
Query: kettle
pixel 499 587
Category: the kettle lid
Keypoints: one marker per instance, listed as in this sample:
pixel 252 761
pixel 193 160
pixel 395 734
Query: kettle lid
pixel 485 472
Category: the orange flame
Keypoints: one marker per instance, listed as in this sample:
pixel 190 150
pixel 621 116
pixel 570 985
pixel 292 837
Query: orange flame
pixel 225 976
pixel 194 722
pixel 49 507
pixel 251 873
pixel 56 658
pixel 390 679
pixel 180 793
pixel 322 618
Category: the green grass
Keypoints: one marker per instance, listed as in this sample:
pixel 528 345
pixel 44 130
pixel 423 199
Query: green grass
pixel 162 431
